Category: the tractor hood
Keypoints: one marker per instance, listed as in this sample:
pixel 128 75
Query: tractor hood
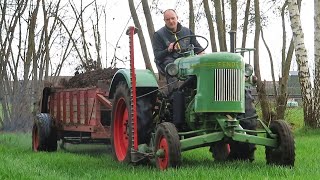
pixel 220 81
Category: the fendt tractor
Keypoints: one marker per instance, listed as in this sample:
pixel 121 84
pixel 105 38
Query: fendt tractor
pixel 212 107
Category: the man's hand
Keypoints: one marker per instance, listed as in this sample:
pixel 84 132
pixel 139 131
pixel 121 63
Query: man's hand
pixel 170 47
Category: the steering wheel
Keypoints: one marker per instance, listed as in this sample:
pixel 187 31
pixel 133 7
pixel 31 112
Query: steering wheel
pixel 200 49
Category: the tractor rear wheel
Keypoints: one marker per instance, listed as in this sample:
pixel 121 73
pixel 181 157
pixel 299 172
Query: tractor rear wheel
pixel 284 154
pixel 167 146
pixel 121 134
pixel 144 117
pixel 121 126
pixel 44 134
pixel 220 151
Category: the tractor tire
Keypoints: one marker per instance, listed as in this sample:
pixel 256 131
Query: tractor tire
pixel 44 134
pixel 121 128
pixel 220 151
pixel 240 150
pixel 284 154
pixel 144 117
pixel 121 141
pixel 167 141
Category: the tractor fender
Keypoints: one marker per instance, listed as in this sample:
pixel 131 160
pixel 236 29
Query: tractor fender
pixel 144 78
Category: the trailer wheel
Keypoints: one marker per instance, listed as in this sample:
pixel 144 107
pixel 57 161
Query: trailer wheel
pixel 44 134
pixel 167 146
pixel 121 134
pixel 220 151
pixel 284 154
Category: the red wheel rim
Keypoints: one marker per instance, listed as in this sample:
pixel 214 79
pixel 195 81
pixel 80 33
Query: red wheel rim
pixel 120 133
pixel 35 138
pixel 228 148
pixel 163 161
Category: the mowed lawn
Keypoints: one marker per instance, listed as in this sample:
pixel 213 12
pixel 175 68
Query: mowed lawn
pixel 17 161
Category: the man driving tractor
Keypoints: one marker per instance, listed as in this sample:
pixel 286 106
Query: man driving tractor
pixel 163 41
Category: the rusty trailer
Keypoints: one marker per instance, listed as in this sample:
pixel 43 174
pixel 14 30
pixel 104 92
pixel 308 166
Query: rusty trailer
pixel 78 115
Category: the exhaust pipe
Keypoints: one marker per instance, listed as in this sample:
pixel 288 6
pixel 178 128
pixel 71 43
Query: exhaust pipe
pixel 232 41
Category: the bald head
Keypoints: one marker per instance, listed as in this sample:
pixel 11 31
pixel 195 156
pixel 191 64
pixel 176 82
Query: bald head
pixel 171 19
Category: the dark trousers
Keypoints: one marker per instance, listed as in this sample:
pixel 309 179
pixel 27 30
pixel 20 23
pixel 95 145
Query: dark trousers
pixel 172 82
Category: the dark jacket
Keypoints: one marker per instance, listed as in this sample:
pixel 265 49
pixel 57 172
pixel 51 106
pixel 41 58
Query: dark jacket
pixel 163 37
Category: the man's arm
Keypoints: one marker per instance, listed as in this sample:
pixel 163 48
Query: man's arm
pixel 159 49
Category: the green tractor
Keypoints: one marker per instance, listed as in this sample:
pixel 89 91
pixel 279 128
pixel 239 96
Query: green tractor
pixel 212 107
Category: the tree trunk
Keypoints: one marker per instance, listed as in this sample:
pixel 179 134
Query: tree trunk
pixel 317 60
pixel 148 17
pixel 260 85
pixel 271 63
pixel 141 36
pixel 234 21
pixel 302 60
pixel 220 25
pixel 210 24
pixel 191 16
pixel 97 36
pixel 245 26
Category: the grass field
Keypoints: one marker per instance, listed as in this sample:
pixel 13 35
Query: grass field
pixel 17 161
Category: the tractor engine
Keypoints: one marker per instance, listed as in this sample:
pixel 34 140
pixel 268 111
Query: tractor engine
pixel 212 84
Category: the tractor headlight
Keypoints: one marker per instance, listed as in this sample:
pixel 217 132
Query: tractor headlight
pixel 248 70
pixel 172 69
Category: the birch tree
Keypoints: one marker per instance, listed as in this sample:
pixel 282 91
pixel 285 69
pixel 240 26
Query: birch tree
pixel 310 116
pixel 317 61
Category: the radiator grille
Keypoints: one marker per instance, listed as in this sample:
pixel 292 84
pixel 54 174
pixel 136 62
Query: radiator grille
pixel 227 85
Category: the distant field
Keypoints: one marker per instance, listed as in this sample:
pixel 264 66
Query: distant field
pixel 17 161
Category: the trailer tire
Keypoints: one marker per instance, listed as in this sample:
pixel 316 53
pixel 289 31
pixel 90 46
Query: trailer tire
pixel 284 154
pixel 44 134
pixel 121 130
pixel 167 140
pixel 220 151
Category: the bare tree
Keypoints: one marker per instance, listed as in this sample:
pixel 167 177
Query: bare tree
pixel 282 96
pixel 260 85
pixel 210 24
pixel 245 26
pixel 140 35
pixel 234 15
pixel 271 63
pixel 191 16
pixel 220 24
pixel 147 15
pixel 97 36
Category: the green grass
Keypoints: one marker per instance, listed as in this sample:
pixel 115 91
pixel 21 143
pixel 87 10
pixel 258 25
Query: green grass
pixel 17 161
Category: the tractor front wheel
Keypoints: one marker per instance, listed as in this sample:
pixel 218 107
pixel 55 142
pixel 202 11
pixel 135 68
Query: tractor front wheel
pixel 284 154
pixel 167 146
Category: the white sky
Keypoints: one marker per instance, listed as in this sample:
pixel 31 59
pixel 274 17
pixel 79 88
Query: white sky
pixel 118 14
